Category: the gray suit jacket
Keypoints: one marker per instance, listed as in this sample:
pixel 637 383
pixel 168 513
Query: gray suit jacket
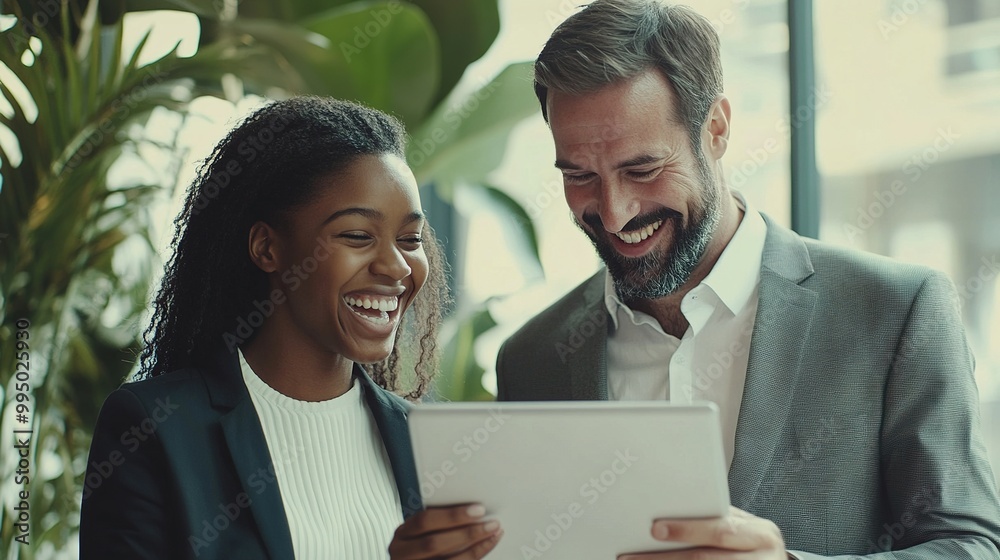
pixel 858 432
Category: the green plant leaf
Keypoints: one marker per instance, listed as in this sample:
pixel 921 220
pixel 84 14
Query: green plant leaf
pixel 461 377
pixel 466 138
pixel 518 229
pixel 288 10
pixel 206 8
pixel 466 30
pixel 387 51
pixel 298 59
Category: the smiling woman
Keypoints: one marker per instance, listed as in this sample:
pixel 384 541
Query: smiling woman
pixel 286 277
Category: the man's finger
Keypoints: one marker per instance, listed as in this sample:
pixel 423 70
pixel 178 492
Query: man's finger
pixel 731 532
pixel 692 554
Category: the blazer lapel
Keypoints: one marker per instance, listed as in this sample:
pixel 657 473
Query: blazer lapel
pixel 390 417
pixel 245 439
pixel 586 333
pixel 781 328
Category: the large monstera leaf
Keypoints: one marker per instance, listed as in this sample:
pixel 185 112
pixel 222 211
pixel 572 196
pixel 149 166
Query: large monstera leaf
pixel 403 57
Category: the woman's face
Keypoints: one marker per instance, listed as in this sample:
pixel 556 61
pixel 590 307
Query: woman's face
pixel 350 262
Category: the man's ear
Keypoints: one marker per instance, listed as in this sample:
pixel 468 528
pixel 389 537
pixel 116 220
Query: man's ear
pixel 264 247
pixel 717 128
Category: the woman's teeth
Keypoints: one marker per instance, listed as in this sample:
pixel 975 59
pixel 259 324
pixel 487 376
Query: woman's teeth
pixel 631 237
pixel 374 309
pixel 385 304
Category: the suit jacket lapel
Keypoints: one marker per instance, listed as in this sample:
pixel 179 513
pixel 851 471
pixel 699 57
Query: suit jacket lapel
pixel 781 328
pixel 390 417
pixel 245 439
pixel 586 334
pixel 256 471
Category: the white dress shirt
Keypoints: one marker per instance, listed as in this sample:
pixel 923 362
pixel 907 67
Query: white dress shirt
pixel 709 363
pixel 333 473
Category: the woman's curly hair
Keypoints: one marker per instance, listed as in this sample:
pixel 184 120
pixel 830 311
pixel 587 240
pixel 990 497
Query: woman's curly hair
pixel 268 165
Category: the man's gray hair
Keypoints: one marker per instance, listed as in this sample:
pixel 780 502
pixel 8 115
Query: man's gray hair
pixel 614 40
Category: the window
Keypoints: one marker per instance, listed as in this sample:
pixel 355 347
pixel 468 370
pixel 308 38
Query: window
pixel 908 152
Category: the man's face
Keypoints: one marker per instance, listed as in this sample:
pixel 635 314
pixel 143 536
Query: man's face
pixel 647 200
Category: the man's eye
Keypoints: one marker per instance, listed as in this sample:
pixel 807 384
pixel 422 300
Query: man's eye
pixel 578 179
pixel 649 174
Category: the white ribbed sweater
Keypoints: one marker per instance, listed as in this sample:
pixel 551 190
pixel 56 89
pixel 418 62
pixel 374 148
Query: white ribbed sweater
pixel 333 473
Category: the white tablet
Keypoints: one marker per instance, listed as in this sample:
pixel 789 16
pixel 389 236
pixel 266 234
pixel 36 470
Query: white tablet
pixel 573 480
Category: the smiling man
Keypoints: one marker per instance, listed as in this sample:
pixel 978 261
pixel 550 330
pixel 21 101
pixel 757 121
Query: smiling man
pixel 844 380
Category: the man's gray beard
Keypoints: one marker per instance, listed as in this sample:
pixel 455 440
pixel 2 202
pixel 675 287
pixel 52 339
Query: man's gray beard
pixel 653 275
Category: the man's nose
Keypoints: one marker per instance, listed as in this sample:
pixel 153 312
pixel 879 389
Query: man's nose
pixel 617 206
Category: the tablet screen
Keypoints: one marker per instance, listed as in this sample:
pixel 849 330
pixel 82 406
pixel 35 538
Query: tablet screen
pixel 573 480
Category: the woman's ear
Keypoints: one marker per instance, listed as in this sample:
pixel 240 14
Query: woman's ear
pixel 263 245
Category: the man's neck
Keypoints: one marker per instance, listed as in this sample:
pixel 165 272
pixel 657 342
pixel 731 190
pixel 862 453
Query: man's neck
pixel 667 310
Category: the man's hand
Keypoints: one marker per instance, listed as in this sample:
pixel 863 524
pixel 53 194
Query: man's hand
pixel 737 536
pixel 455 533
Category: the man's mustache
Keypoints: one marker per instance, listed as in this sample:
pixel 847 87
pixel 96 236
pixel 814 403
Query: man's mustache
pixel 597 225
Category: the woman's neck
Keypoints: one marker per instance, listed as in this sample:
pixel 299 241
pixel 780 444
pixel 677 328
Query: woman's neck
pixel 296 366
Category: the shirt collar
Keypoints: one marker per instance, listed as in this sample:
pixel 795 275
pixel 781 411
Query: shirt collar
pixel 733 278
pixel 737 272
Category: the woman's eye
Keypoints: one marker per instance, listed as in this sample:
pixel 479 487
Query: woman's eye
pixel 414 240
pixel 355 236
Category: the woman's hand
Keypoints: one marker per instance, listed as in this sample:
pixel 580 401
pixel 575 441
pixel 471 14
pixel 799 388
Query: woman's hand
pixel 455 533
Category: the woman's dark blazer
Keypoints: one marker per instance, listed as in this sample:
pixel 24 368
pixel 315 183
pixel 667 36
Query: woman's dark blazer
pixel 179 468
